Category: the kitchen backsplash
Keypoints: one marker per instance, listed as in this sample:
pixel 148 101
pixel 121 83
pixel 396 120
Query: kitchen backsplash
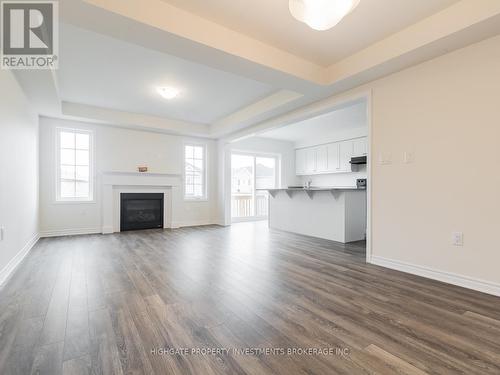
pixel 335 179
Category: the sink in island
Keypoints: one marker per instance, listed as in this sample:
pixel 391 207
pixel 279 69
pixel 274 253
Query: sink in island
pixel 333 213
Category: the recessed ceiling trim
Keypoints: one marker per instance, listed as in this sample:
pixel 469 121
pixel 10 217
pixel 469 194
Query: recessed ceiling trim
pixel 454 19
pixel 309 111
pixel 227 124
pixel 135 120
pixel 164 16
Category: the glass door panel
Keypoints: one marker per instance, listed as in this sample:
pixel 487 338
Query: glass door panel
pixel 242 186
pixel 250 176
pixel 265 178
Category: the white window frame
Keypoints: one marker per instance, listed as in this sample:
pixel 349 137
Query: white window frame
pixel 204 197
pixel 58 198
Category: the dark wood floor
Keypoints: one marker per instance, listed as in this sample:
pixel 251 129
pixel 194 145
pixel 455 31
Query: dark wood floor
pixel 109 304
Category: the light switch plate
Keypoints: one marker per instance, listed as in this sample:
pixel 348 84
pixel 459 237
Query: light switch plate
pixel 408 157
pixel 457 238
pixel 384 158
pixel 2 230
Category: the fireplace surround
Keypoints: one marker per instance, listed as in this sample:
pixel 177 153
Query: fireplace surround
pixel 114 183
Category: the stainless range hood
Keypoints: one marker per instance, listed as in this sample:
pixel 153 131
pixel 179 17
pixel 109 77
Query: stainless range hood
pixel 358 160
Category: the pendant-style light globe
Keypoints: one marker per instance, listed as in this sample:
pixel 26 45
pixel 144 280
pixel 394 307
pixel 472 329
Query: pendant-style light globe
pixel 321 14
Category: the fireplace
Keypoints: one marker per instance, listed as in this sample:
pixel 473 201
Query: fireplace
pixel 141 211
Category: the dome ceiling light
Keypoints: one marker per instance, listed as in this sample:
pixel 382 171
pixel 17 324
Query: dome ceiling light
pixel 168 92
pixel 321 14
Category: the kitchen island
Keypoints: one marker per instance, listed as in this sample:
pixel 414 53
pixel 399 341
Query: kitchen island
pixel 333 213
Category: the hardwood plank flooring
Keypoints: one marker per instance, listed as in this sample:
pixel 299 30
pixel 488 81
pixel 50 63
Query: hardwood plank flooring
pixel 236 300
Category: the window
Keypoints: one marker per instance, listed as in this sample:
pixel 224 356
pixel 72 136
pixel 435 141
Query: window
pixel 194 172
pixel 74 165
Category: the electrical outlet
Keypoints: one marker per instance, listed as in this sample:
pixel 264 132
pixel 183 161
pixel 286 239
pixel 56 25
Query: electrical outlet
pixel 457 238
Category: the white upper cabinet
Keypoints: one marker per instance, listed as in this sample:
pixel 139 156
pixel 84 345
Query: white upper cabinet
pixel 321 159
pixel 333 157
pixel 345 154
pixel 360 147
pixel 330 158
pixel 310 160
pixel 300 161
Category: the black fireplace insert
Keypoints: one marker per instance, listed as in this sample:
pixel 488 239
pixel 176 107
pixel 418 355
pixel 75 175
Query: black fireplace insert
pixel 141 211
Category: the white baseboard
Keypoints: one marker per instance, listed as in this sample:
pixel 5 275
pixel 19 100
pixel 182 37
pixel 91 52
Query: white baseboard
pixel 446 277
pixel 18 258
pixel 194 223
pixel 107 230
pixel 69 232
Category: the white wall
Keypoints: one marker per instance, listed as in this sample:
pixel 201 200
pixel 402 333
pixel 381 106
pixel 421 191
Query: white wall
pixel 446 111
pixel 120 150
pixel 18 173
pixel 355 130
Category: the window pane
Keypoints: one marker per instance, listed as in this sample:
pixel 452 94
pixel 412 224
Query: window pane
pixel 82 157
pixel 68 157
pixel 67 172
pixel 82 190
pixel 198 191
pixel 82 141
pixel 189 166
pixel 198 152
pixel 194 171
pixel 82 173
pixel 67 189
pixel 74 166
pixel 67 140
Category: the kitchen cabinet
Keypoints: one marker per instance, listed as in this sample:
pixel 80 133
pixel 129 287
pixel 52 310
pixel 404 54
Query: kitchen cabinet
pixel 321 159
pixel 333 157
pixel 300 161
pixel 360 146
pixel 310 160
pixel 345 154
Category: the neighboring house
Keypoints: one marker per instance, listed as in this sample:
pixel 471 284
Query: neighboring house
pixel 242 179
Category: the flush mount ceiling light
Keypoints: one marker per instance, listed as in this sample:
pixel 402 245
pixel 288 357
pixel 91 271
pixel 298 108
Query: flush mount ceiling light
pixel 321 14
pixel 168 92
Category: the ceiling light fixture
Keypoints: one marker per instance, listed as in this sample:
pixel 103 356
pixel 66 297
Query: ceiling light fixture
pixel 321 14
pixel 168 92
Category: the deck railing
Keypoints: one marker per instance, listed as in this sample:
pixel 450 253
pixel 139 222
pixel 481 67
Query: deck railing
pixel 242 205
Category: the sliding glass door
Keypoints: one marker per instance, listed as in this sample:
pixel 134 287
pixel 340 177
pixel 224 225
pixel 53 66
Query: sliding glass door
pixel 250 175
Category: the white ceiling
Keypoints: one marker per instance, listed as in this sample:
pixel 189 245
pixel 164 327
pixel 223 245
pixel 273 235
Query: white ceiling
pixel 326 126
pixel 270 21
pixel 101 71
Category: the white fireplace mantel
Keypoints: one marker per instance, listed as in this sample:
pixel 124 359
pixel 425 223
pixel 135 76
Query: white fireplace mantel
pixel 115 183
